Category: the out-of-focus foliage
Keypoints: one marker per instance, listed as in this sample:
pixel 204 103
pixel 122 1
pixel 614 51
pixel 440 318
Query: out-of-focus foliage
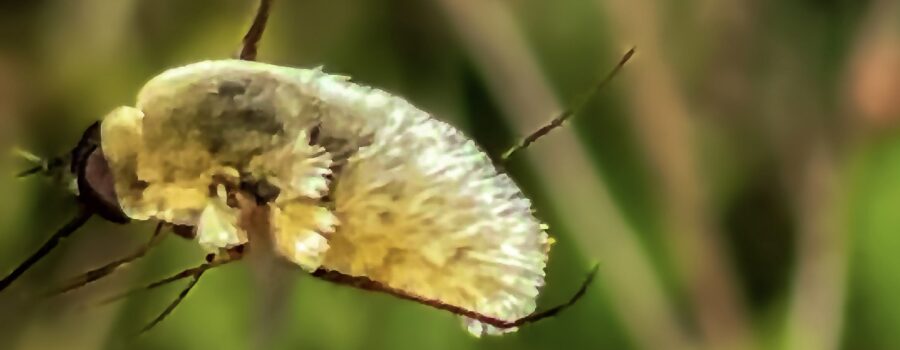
pixel 739 183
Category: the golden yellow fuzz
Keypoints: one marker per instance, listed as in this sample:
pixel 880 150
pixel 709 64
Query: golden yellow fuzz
pixel 368 185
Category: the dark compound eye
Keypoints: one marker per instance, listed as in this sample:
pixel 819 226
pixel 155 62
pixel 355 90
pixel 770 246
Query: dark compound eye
pixel 96 185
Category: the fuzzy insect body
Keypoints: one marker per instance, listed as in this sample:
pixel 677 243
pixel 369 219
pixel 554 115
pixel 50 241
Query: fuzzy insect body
pixel 352 179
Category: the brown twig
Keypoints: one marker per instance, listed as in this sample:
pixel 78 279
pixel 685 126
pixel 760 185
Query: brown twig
pixel 692 234
pixel 815 312
pixel 254 34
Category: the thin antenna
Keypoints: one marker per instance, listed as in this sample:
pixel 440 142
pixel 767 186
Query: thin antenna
pixel 79 220
pixel 31 171
pixel 171 307
pixel 254 34
pixel 105 270
pixel 571 111
pixel 41 165
pixel 28 156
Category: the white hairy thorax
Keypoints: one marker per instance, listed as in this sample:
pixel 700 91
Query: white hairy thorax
pixel 367 184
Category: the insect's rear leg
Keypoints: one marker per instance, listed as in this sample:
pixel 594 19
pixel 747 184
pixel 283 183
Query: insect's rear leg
pixel 553 311
pixel 105 270
pixel 367 284
pixel 569 112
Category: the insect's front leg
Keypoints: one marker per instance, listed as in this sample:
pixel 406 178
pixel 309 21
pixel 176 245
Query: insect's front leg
pixel 107 269
pixel 213 260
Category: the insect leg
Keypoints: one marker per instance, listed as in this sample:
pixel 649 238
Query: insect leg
pixel 171 307
pixel 254 34
pixel 553 311
pixel 37 169
pixel 105 270
pixel 367 284
pixel 212 262
pixel 569 112
pixel 68 229
pixel 370 285
pixel 230 255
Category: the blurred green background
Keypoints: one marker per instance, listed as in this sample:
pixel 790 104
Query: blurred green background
pixel 738 183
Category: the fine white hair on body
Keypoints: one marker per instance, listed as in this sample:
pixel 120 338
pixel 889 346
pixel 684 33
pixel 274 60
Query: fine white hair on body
pixel 423 209
pixel 382 190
